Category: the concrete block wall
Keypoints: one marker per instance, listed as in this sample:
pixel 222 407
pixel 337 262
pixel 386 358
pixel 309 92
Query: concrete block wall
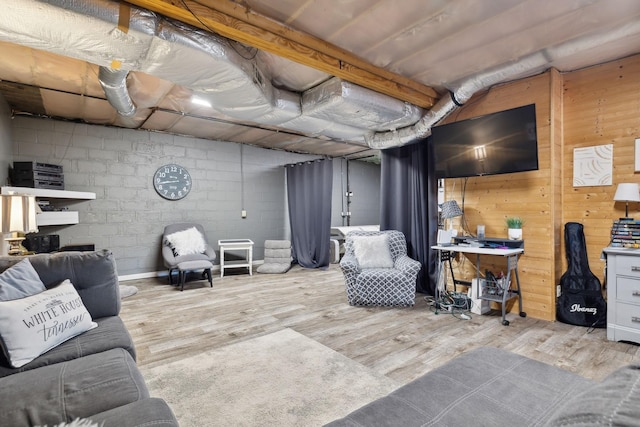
pixel 128 216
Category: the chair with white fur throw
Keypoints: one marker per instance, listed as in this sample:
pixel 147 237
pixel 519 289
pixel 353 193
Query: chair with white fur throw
pixel 377 270
pixel 277 257
pixel 185 248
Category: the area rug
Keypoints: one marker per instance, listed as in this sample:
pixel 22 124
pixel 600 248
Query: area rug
pixel 280 379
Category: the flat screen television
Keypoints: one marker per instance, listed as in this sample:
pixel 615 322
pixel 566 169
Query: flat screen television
pixel 502 142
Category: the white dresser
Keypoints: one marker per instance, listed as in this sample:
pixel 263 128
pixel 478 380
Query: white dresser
pixel 623 294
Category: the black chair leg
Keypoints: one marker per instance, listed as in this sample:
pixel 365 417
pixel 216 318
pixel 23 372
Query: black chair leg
pixel 208 273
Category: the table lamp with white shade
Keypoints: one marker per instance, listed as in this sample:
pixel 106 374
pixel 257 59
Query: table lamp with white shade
pixel 17 215
pixel 627 192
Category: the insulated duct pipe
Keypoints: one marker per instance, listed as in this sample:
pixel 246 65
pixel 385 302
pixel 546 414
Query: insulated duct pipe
pixel 457 98
pixel 114 84
pixel 537 60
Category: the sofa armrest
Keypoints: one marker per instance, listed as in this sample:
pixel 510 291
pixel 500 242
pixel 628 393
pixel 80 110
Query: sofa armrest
pixel 408 266
pixel 350 268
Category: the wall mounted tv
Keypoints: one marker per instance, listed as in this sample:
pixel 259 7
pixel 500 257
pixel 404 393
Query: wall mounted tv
pixel 502 142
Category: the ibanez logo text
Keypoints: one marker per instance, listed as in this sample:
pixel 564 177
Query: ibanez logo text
pixel 580 309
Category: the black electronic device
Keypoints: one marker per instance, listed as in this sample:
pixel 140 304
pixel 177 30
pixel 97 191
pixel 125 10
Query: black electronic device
pixel 42 243
pixel 37 175
pixel 498 143
pixel 84 247
pixel 489 242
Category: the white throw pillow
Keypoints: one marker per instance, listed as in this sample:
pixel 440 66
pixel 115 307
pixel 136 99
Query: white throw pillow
pixel 34 325
pixel 187 242
pixel 19 281
pixel 372 251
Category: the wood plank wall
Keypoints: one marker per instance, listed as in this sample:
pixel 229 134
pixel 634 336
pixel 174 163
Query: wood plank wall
pixel 595 106
pixel 601 106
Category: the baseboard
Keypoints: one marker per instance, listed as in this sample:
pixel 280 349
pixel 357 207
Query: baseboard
pixel 165 273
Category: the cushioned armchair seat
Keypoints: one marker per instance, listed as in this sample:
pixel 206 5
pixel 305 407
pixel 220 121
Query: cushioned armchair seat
pixel 377 270
pixel 194 254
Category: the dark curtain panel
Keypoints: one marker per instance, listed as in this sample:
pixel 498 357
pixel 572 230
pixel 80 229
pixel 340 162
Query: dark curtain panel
pixel 309 188
pixel 409 203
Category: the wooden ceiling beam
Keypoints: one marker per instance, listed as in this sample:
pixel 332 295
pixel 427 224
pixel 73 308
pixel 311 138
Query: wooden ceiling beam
pixel 233 21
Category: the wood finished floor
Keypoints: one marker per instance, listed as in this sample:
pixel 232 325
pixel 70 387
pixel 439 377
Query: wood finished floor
pixel 402 343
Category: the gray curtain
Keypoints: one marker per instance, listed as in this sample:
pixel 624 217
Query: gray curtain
pixel 409 203
pixel 309 188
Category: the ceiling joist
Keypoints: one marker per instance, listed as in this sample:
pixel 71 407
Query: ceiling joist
pixel 238 23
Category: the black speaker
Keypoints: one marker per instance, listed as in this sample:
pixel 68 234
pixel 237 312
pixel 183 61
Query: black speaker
pixel 80 247
pixel 42 244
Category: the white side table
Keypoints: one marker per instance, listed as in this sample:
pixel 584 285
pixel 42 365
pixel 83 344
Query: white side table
pixel 237 245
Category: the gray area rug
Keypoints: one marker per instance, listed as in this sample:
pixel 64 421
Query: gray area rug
pixel 127 291
pixel 280 379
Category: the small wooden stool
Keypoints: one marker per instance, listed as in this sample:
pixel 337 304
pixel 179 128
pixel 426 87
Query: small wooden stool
pixel 186 266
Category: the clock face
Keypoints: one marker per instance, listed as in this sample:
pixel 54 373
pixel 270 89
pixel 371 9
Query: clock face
pixel 172 182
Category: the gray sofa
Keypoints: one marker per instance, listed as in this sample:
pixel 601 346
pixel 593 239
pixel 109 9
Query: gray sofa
pixel 494 387
pixel 91 376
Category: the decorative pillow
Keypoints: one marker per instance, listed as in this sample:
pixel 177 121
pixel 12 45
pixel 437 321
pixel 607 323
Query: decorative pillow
pixel 34 325
pixel 19 281
pixel 613 401
pixel 186 242
pixel 372 251
pixel 78 422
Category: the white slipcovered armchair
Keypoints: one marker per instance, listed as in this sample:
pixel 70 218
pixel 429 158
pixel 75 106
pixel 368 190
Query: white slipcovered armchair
pixel 185 248
pixel 377 270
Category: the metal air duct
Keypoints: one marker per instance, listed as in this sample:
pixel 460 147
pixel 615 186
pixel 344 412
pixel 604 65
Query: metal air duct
pixel 114 84
pixel 537 61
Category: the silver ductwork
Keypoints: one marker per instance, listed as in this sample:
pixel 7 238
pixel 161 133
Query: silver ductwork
pixel 537 61
pixel 114 84
pixel 237 85
pixel 209 65
pixel 446 105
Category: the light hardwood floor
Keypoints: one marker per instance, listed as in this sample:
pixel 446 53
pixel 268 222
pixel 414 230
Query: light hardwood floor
pixel 402 343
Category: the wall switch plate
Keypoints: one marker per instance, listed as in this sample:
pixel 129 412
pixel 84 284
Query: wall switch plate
pixel 243 214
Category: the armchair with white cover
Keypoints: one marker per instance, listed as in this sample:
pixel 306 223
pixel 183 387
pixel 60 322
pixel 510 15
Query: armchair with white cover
pixel 185 248
pixel 377 270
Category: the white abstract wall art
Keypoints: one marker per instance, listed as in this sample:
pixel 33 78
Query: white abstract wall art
pixel 593 166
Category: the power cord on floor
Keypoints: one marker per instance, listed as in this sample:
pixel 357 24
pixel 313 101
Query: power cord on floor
pixel 456 303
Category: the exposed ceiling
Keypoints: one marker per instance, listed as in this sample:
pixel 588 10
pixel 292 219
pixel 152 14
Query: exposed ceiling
pixel 327 77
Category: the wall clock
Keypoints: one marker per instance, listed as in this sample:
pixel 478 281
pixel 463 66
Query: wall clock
pixel 172 182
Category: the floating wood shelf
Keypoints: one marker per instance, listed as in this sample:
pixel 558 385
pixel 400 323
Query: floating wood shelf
pixel 53 217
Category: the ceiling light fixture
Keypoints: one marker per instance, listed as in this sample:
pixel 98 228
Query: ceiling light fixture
pixel 200 101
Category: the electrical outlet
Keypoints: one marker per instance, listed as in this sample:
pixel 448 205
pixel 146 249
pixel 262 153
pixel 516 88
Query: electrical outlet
pixel 243 214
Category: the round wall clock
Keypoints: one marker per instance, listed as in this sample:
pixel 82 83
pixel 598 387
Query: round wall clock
pixel 172 182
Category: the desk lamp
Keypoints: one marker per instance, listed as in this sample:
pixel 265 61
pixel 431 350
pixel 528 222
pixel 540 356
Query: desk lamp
pixel 450 210
pixel 18 215
pixel 627 192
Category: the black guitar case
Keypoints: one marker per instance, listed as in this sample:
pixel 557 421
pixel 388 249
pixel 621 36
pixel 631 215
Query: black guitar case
pixel 581 302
